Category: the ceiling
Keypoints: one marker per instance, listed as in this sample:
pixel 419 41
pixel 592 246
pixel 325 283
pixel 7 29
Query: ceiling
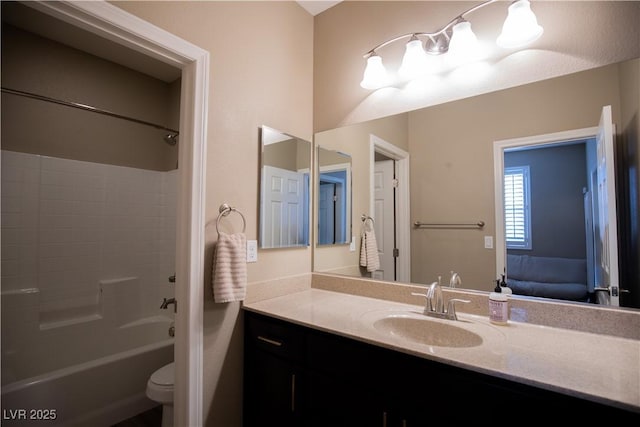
pixel 24 17
pixel 315 7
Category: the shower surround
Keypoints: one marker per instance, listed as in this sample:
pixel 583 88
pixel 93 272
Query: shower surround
pixel 87 251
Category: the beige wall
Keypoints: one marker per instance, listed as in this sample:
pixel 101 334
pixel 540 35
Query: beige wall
pixel 261 74
pixel 44 67
pixel 293 154
pixel 577 36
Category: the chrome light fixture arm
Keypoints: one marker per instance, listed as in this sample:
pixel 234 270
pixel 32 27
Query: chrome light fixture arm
pixel 439 40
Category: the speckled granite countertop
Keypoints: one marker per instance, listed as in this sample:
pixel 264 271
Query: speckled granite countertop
pixel 595 367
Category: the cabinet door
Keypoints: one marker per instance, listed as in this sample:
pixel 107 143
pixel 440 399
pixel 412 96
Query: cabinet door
pixel 273 391
pixel 274 379
pixel 339 402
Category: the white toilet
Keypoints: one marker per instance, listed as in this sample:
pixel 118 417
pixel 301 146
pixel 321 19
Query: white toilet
pixel 160 389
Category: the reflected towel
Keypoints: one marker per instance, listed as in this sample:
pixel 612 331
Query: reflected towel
pixel 369 251
pixel 230 268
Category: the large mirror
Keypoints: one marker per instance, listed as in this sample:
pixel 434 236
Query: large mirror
pixel 444 174
pixel 334 197
pixel 285 166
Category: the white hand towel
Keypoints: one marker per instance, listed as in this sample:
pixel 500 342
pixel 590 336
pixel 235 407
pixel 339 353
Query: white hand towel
pixel 230 267
pixel 369 251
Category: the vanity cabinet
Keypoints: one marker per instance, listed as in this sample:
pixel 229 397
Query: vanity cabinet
pixel 299 376
pixel 274 372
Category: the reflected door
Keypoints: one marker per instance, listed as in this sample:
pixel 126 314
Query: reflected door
pixel 326 213
pixel 283 208
pixel 607 237
pixel 384 219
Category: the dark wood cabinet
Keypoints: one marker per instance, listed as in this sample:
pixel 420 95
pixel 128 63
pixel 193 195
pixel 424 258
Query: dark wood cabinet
pixel 274 373
pixel 299 376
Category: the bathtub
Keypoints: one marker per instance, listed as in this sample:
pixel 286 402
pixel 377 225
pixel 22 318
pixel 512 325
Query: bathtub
pixel 94 393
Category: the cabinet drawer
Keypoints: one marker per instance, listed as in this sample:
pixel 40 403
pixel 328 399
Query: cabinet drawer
pixel 275 336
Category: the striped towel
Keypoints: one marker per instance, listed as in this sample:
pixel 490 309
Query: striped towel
pixel 369 251
pixel 230 267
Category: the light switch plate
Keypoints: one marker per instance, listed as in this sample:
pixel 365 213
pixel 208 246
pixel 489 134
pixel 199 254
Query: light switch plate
pixel 252 251
pixel 488 242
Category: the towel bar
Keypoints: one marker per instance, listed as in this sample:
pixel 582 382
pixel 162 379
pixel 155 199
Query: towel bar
pixel 418 224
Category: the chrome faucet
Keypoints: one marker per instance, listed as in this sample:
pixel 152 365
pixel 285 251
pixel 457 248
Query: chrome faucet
pixel 435 303
pixel 455 280
pixel 167 302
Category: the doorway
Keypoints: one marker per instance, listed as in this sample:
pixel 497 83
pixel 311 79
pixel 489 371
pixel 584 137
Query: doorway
pixel 117 27
pixel 596 224
pixel 396 203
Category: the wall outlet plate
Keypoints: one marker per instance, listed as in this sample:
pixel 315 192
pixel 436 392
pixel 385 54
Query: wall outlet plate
pixel 252 251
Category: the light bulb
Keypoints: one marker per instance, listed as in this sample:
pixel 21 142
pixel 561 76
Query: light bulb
pixel 414 62
pixel 521 26
pixel 375 75
pixel 464 46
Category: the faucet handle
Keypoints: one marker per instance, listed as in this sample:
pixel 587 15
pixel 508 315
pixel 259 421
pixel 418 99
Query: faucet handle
pixel 451 307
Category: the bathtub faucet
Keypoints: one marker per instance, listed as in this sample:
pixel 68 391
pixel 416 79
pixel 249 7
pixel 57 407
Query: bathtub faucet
pixel 166 302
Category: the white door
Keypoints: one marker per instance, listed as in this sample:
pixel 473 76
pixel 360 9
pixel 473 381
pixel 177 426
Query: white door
pixel 607 237
pixel 283 208
pixel 590 232
pixel 384 216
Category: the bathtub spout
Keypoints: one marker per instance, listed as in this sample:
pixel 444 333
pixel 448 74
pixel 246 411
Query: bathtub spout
pixel 166 302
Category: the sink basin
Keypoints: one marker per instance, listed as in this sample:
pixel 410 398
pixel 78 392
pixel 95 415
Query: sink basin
pixel 428 331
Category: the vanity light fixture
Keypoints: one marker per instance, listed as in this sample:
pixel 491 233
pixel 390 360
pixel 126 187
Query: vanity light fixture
pixel 520 28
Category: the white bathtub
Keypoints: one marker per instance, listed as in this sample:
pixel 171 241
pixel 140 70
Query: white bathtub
pixel 95 393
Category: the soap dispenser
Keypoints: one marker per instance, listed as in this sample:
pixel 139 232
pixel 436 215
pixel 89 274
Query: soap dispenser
pixel 504 288
pixel 498 306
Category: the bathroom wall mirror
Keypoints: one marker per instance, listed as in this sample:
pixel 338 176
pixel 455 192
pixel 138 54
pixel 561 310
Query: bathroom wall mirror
pixel 334 197
pixel 449 160
pixel 285 165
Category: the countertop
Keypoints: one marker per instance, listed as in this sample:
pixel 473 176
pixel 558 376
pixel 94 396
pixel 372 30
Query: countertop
pixel 595 367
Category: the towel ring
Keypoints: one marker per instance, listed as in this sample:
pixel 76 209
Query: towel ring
pixel 225 210
pixel 367 217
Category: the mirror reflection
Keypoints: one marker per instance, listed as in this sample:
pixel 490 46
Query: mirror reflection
pixel 284 189
pixel 567 255
pixel 451 175
pixel 334 197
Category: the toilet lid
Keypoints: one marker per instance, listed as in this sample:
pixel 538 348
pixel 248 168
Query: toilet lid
pixel 164 375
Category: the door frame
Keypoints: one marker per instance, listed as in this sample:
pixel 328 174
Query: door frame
pixel 403 212
pixel 119 26
pixel 344 203
pixel 499 147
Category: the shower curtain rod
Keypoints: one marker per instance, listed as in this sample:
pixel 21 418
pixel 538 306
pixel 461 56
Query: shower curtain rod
pixel 84 107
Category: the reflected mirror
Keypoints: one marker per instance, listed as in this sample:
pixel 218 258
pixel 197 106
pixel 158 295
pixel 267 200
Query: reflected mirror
pixel 285 165
pixel 450 174
pixel 334 197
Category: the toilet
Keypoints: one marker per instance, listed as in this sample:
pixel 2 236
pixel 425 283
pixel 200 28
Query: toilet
pixel 160 389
